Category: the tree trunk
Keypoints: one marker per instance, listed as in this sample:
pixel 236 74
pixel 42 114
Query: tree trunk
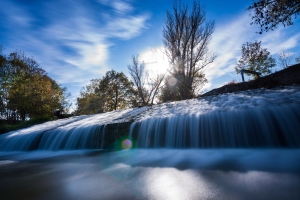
pixel 116 99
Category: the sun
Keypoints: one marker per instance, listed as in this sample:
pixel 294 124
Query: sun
pixel 156 62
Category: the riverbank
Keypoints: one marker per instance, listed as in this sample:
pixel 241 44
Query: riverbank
pixel 285 77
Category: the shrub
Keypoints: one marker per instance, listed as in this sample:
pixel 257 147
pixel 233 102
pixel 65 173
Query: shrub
pixel 233 82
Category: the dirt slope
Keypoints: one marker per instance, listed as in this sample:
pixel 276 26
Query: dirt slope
pixel 288 76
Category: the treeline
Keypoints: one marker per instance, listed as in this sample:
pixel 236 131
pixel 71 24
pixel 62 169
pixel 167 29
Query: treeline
pixel 26 91
pixel 186 37
pixel 116 91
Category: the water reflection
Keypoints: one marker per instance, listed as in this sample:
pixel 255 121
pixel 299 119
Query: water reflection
pixel 152 174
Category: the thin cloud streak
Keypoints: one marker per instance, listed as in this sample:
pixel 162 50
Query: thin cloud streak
pixel 80 32
pixel 280 41
pixel 74 40
pixel 122 7
pixel 227 41
pixel 126 28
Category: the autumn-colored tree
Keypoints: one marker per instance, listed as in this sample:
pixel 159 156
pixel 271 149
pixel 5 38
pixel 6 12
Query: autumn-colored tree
pixel 268 14
pixel 255 58
pixel 27 92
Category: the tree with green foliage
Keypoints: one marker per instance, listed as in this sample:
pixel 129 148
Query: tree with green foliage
pixel 116 90
pixel 268 14
pixel 89 101
pixel 187 35
pixel 26 91
pixel 113 92
pixel 255 58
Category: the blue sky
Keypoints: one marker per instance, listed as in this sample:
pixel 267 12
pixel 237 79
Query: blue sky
pixel 76 41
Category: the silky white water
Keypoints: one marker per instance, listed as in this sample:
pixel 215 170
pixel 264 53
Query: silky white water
pixel 254 118
pixel 232 146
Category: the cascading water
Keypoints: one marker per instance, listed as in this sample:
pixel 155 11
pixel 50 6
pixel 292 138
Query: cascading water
pixel 257 118
pixel 277 126
pixel 83 132
pixel 186 150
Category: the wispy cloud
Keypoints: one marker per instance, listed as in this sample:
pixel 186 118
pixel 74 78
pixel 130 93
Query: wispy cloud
pixel 280 40
pixel 126 28
pixel 72 40
pixel 226 42
pixel 122 7
pixel 14 15
pixel 72 43
pixel 228 39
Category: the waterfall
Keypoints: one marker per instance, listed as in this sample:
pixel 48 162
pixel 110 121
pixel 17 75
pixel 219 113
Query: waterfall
pixel 57 139
pixel 249 119
pixel 277 126
pixel 98 131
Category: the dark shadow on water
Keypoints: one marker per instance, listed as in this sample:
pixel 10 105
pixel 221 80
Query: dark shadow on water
pixel 152 174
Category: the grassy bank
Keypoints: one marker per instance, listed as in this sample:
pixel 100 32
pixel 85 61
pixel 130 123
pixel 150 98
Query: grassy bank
pixel 7 126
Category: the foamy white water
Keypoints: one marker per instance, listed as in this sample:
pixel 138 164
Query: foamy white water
pixel 256 118
pixel 182 161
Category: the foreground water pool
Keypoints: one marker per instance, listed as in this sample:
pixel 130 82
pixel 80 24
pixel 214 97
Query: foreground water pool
pixel 151 174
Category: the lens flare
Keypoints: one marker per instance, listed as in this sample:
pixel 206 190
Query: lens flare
pixel 126 144
pixel 172 81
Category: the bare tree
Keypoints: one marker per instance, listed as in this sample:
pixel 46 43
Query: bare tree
pixel 285 59
pixel 147 87
pixel 137 72
pixel 186 38
pixel 297 59
pixel 154 85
